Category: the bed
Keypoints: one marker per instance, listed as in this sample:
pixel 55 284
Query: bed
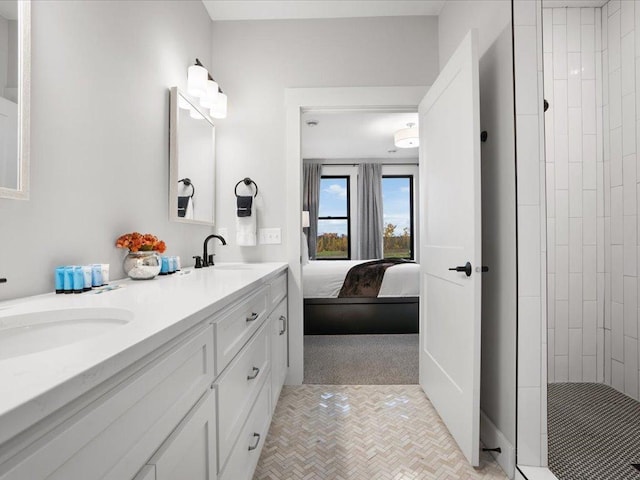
pixel 393 310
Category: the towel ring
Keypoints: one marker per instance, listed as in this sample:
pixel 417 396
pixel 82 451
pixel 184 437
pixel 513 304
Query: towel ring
pixel 188 183
pixel 247 181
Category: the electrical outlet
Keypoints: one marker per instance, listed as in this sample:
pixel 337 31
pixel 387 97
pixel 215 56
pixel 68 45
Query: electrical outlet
pixel 224 232
pixel 270 236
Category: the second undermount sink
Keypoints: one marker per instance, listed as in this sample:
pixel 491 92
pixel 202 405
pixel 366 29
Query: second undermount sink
pixel 232 266
pixel 30 332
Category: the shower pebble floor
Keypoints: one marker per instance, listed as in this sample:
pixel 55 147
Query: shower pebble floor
pixel 594 432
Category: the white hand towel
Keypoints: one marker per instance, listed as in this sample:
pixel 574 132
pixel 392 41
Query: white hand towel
pixel 188 213
pixel 246 230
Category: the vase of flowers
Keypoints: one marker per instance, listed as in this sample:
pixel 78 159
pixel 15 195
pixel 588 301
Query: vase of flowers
pixel 143 260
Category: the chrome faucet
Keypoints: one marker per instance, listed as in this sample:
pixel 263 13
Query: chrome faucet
pixel 207 259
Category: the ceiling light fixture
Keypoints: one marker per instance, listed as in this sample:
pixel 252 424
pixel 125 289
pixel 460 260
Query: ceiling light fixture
pixel 201 85
pixel 407 137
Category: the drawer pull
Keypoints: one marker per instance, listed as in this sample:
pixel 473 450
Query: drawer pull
pixel 283 319
pixel 252 317
pixel 255 445
pixel 256 371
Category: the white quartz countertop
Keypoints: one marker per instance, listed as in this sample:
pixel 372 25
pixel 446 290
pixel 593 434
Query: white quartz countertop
pixel 33 386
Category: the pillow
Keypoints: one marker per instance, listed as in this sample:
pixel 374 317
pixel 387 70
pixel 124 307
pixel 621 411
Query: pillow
pixel 304 249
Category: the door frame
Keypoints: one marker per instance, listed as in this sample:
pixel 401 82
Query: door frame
pixel 297 101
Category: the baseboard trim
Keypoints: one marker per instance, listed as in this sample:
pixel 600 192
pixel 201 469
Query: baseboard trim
pixel 492 437
pixel 534 473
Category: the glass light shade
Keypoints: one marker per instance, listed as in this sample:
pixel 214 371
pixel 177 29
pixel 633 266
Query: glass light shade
pixel 407 138
pixel 208 100
pixel 219 109
pixel 305 219
pixel 197 77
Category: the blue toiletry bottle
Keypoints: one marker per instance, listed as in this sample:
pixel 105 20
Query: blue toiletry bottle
pixel 59 279
pixel 164 265
pixel 78 280
pixel 68 279
pixel 96 275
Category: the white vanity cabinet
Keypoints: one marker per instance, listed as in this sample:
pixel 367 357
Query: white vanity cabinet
pixel 279 347
pixel 246 388
pixel 197 408
pixel 113 435
pixel 189 452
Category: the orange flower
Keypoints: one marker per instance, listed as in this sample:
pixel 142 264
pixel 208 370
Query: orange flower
pixel 137 242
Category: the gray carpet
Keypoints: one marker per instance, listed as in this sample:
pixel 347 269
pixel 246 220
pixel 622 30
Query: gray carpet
pixel 361 359
pixel 594 432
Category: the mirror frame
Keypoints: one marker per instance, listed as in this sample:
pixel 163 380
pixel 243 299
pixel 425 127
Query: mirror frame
pixel 174 156
pixel 24 103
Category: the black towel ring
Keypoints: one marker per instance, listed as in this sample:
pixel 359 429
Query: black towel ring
pixel 188 183
pixel 247 181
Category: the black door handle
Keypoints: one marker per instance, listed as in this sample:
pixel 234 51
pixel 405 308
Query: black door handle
pixel 466 268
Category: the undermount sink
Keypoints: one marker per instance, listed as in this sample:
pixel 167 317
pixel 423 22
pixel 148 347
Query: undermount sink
pixel 30 332
pixel 233 267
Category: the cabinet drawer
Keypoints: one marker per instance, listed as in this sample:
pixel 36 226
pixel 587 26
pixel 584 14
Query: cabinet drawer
pixel 235 327
pixel 246 452
pixel 113 436
pixel 238 388
pixel 277 290
pixel 189 452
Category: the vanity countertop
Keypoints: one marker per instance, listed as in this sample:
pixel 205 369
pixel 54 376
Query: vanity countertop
pixel 33 386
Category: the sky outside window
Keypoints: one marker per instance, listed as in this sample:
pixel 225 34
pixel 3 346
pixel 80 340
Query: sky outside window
pixel 333 203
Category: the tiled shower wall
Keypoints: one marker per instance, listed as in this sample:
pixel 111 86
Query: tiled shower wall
pixel 574 176
pixel 621 85
pixel 592 202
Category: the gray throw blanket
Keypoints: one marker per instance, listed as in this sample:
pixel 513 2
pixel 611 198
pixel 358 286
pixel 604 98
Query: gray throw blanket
pixel 364 280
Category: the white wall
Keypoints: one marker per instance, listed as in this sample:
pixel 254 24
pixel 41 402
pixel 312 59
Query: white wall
pixel 498 376
pixel 458 16
pixel 101 71
pixel 254 61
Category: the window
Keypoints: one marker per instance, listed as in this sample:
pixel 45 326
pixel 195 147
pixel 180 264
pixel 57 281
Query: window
pixel 397 211
pixel 334 225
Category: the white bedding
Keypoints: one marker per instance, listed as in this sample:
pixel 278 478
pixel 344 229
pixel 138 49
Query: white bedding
pixel 324 279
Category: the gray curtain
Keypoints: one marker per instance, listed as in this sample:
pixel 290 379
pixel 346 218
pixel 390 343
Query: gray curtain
pixel 370 210
pixel 311 173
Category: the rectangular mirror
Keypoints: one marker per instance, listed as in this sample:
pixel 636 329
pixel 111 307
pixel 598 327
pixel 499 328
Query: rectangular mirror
pixel 191 161
pixel 15 46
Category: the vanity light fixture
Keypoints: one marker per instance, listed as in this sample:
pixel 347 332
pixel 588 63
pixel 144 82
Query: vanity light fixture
pixel 201 85
pixel 407 137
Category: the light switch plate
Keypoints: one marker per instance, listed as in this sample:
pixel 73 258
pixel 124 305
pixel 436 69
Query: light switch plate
pixel 270 236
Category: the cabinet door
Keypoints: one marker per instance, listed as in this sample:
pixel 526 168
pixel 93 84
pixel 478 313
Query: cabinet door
pixel 189 452
pixel 279 349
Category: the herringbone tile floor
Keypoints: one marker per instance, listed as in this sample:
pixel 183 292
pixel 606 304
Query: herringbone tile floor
pixel 362 432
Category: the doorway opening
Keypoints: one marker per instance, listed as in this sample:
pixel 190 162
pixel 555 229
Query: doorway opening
pixel 359 273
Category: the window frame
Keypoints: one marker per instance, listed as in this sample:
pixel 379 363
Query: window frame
pixel 411 178
pixel 347 179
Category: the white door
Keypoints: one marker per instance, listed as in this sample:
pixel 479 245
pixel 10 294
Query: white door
pixel 451 237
